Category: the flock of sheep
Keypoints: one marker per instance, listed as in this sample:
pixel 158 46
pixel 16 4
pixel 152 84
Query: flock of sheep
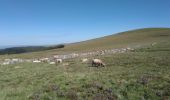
pixel 56 59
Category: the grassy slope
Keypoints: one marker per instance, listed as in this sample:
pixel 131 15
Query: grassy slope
pixel 132 38
pixel 140 75
pixel 143 74
pixel 129 38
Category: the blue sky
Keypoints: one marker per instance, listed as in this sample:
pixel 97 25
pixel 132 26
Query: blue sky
pixel 42 22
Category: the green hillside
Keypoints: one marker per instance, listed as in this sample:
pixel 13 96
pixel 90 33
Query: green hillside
pixel 142 74
pixel 124 39
pixel 133 38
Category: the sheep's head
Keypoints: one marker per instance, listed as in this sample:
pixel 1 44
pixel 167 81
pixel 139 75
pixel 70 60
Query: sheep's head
pixel 103 64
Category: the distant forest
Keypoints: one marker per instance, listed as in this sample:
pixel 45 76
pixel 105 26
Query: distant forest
pixel 18 50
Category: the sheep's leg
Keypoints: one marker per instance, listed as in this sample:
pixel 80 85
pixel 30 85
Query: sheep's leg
pixel 92 64
pixel 98 64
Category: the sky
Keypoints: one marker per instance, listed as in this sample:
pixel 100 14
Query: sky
pixel 48 22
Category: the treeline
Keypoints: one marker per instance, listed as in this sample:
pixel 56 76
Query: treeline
pixel 18 50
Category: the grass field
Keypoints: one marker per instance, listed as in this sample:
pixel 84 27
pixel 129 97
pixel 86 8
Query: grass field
pixel 143 74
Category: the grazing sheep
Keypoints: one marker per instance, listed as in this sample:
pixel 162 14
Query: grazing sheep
pixel 97 62
pixel 52 63
pixel 45 60
pixel 56 56
pixel 5 63
pixel 7 59
pixel 84 60
pixel 14 61
pixel 65 64
pixel 59 60
pixel 36 61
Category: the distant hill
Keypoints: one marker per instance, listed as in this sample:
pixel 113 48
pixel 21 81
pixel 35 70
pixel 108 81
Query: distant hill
pixel 132 38
pixel 18 50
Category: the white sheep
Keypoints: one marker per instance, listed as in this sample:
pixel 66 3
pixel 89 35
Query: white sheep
pixel 97 62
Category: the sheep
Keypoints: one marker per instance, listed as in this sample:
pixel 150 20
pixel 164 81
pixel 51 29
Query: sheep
pixel 5 63
pixel 45 60
pixel 84 60
pixel 52 63
pixel 59 60
pixel 56 56
pixel 15 60
pixel 36 61
pixel 65 64
pixel 7 60
pixel 97 62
